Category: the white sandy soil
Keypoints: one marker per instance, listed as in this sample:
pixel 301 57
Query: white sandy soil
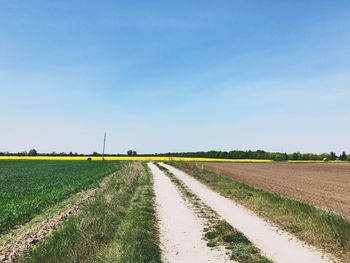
pixel 181 230
pixel 274 244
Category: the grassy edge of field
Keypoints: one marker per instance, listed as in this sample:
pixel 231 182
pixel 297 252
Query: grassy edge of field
pixel 22 212
pixel 44 215
pixel 18 240
pixel 322 229
pixel 119 225
pixel 217 231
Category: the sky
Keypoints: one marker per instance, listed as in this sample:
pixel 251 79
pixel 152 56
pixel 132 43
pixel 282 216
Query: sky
pixel 170 76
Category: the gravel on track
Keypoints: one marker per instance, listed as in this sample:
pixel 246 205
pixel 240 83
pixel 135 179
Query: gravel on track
pixel 181 230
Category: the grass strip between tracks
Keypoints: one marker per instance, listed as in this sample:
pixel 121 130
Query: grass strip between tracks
pixel 119 225
pixel 217 231
pixel 316 227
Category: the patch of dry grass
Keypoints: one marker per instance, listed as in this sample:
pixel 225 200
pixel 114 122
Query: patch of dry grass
pixel 118 226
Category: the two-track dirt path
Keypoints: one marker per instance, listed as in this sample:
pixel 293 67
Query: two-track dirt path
pixel 275 244
pixel 181 230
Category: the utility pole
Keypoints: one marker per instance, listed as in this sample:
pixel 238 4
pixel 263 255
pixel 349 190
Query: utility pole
pixel 104 147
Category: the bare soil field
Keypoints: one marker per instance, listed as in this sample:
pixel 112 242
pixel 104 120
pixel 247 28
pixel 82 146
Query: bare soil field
pixel 325 185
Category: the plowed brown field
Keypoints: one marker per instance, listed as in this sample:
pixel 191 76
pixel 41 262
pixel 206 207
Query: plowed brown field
pixel 325 185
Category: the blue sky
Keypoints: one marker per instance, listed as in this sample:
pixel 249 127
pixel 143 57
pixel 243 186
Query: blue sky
pixel 162 76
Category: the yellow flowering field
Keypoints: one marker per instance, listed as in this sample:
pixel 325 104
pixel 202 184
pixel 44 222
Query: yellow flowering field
pixel 131 158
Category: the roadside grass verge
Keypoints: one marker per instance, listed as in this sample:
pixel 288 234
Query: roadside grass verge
pixel 316 227
pixel 217 231
pixel 29 187
pixel 119 225
pixel 137 236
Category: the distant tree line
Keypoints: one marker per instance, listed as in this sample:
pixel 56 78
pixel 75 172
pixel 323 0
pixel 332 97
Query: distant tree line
pixel 33 152
pixel 259 154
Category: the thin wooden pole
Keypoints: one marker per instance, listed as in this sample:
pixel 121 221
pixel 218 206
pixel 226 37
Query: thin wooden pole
pixel 104 147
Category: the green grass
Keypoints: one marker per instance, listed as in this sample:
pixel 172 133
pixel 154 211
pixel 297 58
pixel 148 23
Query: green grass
pixel 242 250
pixel 118 226
pixel 217 231
pixel 28 187
pixel 315 226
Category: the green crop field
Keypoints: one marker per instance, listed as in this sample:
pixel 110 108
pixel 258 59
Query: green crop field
pixel 28 187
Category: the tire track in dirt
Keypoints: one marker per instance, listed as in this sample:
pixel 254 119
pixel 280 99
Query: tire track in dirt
pixel 181 230
pixel 274 243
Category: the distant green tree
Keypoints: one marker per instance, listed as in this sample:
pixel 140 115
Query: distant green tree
pixel 332 156
pixel 95 154
pixel 324 156
pixel 134 153
pixel 280 157
pixel 129 153
pixel 343 156
pixel 295 156
pixel 32 152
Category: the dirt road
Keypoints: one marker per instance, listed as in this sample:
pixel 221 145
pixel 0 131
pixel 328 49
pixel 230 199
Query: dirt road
pixel 325 185
pixel 275 244
pixel 181 230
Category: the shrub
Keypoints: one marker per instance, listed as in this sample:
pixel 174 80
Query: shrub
pixel 32 152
